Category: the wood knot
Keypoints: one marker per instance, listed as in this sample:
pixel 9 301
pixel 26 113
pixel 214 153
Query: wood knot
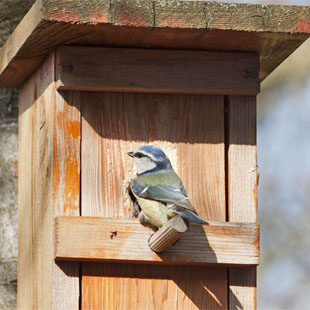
pixel 113 234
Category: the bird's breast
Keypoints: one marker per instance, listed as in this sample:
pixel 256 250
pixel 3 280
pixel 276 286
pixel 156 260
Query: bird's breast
pixel 155 211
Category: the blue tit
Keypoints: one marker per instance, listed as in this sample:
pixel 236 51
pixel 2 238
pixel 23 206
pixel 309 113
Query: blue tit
pixel 159 191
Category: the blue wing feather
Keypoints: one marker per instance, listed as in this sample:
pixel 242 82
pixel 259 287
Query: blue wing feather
pixel 191 216
pixel 164 193
pixel 137 188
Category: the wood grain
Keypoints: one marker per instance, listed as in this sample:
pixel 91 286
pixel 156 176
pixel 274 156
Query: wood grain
pixel 66 148
pixel 25 266
pixel 136 286
pixel 94 238
pixel 167 235
pixel 42 283
pixel 242 190
pixel 242 161
pixel 189 128
pixel 36 100
pixel 272 31
pixel 66 189
pixel 42 146
pixel 157 71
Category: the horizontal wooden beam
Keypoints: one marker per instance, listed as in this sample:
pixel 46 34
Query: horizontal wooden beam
pixel 160 71
pixel 126 240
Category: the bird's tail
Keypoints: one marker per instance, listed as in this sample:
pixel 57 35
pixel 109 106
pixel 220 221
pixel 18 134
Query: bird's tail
pixel 190 216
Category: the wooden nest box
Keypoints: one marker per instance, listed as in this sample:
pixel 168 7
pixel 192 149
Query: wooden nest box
pixel 100 79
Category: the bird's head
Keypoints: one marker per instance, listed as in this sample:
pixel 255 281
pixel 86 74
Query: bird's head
pixel 149 158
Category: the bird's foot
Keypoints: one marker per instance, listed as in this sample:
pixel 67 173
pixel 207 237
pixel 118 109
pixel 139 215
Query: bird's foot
pixel 136 210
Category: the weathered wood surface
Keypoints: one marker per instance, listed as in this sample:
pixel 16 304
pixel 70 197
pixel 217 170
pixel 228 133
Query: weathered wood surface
pixel 66 190
pixel 167 235
pixel 157 71
pixel 44 161
pixel 242 189
pixel 25 266
pixel 273 31
pixel 184 126
pixel 94 238
pixel 144 286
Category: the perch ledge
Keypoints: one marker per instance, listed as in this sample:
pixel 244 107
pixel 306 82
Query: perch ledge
pixel 84 238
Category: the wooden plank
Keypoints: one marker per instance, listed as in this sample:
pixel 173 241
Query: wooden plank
pixel 25 283
pixel 242 184
pixel 94 238
pixel 187 127
pixel 66 164
pixel 66 190
pixel 152 287
pixel 157 71
pixel 272 31
pixel 190 129
pixel 242 161
pixel 42 233
pixel 35 252
pixel 40 197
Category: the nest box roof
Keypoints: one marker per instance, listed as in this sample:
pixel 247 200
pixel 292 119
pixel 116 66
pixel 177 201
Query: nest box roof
pixel 272 31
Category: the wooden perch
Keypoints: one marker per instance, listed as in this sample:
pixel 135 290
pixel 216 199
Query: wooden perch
pixel 126 240
pixel 168 234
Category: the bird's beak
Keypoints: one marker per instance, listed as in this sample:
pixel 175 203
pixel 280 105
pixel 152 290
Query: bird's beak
pixel 130 154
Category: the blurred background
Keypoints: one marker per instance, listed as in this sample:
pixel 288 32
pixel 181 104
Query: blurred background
pixel 284 167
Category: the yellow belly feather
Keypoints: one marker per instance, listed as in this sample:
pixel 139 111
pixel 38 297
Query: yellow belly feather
pixel 155 211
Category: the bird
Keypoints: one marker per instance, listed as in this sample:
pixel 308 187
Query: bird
pixel 158 190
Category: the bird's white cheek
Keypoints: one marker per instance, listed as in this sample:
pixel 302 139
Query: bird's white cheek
pixel 144 164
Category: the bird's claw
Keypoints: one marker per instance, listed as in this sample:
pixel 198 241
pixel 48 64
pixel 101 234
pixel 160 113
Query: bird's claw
pixel 133 213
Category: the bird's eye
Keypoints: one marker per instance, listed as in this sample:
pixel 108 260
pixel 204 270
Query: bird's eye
pixel 139 155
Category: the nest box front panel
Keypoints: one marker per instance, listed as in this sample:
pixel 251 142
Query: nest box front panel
pixel 189 128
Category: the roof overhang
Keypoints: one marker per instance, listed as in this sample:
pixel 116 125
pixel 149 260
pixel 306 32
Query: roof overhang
pixel 272 31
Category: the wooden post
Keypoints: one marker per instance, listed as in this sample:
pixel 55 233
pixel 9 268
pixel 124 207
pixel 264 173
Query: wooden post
pixel 49 137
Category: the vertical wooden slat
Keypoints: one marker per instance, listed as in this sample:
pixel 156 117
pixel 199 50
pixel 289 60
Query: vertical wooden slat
pixel 25 283
pixel 242 184
pixel 66 190
pixel 42 146
pixel 190 129
pixel 46 145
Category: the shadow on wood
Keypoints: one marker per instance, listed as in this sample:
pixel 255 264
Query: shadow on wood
pixel 159 286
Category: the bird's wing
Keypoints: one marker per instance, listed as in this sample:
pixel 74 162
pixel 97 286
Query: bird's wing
pixel 164 193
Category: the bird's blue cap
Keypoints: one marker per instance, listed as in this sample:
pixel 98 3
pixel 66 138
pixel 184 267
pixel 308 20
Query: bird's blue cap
pixel 155 151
